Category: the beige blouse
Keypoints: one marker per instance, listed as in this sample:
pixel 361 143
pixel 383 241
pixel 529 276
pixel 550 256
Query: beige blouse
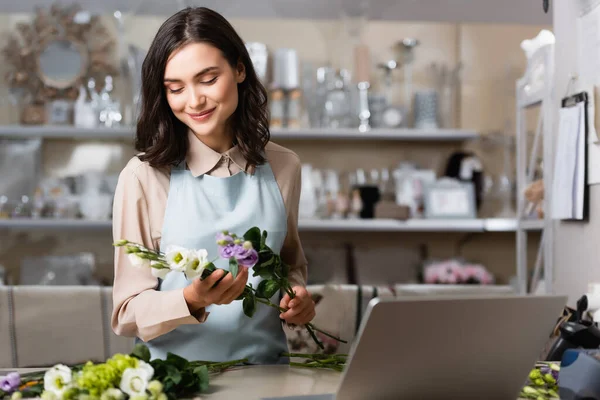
pixel 138 212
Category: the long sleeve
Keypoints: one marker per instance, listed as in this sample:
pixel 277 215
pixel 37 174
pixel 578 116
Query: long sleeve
pixel 139 309
pixel 291 251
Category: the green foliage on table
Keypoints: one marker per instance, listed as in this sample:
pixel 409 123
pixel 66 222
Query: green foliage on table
pixel 542 382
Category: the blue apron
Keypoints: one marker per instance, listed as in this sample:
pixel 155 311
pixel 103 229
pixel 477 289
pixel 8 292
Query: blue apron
pixel 197 209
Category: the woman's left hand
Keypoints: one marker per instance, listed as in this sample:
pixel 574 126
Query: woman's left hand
pixel 301 308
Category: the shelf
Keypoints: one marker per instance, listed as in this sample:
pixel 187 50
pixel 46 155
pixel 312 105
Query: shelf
pixel 65 132
pixel 127 133
pixel 387 225
pixel 314 225
pixel 43 224
pixel 375 134
pixel 456 11
pixel 510 225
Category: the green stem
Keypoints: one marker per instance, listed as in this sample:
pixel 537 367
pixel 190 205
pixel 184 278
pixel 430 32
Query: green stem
pixel 327 334
pixel 310 327
pixel 314 356
pixel 337 368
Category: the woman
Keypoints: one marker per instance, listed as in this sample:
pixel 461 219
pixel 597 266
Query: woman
pixel 205 165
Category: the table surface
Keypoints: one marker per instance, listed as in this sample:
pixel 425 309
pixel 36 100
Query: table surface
pixel 257 382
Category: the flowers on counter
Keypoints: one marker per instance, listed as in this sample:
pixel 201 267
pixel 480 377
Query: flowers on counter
pixel 121 377
pixel 542 382
pixel 10 382
pixel 132 377
pixel 249 250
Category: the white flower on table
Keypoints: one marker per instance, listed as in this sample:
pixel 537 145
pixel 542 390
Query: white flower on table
pixel 197 263
pixel 57 380
pixel 135 380
pixel 112 394
pixel 138 261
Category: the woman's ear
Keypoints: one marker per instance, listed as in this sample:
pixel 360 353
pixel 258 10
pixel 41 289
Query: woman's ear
pixel 240 72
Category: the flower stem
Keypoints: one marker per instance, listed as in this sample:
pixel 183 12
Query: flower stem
pixel 326 333
pixel 310 327
pixel 337 368
pixel 314 356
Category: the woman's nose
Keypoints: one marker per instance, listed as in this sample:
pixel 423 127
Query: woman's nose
pixel 196 99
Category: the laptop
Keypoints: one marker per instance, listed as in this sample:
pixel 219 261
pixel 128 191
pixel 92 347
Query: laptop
pixel 470 347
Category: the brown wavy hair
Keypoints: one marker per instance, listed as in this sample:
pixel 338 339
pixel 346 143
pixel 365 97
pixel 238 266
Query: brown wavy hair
pixel 160 136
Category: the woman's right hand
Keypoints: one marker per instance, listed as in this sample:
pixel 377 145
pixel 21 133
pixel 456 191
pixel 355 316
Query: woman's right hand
pixel 203 293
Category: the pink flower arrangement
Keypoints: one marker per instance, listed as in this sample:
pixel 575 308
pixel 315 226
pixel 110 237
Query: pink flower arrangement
pixel 453 272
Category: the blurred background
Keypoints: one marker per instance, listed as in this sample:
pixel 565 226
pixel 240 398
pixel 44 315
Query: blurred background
pixel 403 114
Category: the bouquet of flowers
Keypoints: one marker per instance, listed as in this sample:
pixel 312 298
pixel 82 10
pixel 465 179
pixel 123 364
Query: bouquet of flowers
pixel 132 376
pixel 249 250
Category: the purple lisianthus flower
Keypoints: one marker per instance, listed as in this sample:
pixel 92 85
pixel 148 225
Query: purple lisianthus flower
pixel 250 258
pixel 10 382
pixel 227 251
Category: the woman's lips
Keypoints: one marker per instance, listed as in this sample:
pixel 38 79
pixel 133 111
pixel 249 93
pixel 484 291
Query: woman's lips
pixel 202 116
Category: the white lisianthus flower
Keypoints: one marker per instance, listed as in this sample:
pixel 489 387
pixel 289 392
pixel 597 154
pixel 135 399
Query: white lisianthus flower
pixel 134 381
pixel 48 396
pixel 146 367
pixel 177 257
pixel 197 264
pixel 57 380
pixel 112 394
pixel 138 261
pixel 160 272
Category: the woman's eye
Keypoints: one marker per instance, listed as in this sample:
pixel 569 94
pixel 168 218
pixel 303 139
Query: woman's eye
pixel 174 91
pixel 213 80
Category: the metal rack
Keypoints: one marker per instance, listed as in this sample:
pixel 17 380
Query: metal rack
pixel 526 99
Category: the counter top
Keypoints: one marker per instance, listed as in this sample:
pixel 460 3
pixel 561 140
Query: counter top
pixel 257 382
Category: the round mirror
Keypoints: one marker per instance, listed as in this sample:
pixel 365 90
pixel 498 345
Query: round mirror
pixel 62 63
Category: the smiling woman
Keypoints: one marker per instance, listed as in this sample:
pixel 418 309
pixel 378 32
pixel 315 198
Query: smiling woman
pixel 205 165
pixel 203 100
pixel 196 69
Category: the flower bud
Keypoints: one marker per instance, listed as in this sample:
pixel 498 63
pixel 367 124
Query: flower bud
pixel 222 242
pixel 121 242
pixel 16 396
pixel 247 245
pixel 155 387
pixel 131 249
pixel 237 241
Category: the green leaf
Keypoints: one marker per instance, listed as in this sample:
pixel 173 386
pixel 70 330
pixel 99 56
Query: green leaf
pixel 177 361
pixel 201 373
pixel 266 261
pixel 233 267
pixel 263 240
pixel 173 374
pixel 249 305
pixel 267 288
pixel 253 235
pixel 264 273
pixel 141 352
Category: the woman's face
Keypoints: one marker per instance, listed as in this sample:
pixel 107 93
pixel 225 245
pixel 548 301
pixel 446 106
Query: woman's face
pixel 201 88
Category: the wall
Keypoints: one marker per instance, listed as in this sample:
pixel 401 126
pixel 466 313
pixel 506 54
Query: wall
pixel 492 60
pixel 576 250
